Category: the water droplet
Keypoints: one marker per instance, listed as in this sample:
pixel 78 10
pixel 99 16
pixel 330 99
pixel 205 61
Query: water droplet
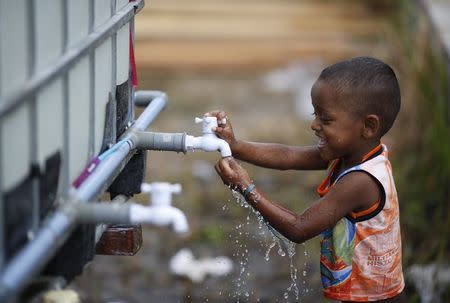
pixel 285 247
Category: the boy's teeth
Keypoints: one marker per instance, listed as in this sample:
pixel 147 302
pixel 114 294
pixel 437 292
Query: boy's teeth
pixel 322 142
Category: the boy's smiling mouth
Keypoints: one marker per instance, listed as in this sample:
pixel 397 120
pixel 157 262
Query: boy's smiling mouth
pixel 322 142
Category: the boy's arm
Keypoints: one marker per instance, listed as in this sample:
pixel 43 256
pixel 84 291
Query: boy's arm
pixel 279 156
pixel 354 192
pixel 269 155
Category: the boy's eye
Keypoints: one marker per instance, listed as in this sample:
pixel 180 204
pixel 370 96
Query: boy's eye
pixel 324 119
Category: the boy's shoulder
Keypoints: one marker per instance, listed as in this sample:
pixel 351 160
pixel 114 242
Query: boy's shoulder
pixel 376 165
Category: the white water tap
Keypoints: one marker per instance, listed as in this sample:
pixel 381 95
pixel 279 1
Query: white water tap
pixel 183 263
pixel 161 192
pixel 209 141
pixel 160 212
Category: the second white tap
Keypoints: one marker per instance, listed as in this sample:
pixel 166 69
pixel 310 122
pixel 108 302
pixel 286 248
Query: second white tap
pixel 160 212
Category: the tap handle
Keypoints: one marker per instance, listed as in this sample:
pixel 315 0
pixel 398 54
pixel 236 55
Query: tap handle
pixel 176 188
pixel 161 187
pixel 207 124
pixel 160 193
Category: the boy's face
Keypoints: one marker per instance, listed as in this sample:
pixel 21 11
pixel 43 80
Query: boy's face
pixel 338 128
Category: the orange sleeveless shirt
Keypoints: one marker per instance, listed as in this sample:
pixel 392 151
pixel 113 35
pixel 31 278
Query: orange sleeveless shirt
pixel 361 255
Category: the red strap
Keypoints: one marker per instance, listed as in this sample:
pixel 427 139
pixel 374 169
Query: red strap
pixel 133 63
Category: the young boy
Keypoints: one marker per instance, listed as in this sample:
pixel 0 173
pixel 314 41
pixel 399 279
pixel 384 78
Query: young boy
pixel 355 103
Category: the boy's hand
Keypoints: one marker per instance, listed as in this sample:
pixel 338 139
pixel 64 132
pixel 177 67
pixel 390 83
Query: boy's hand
pixel 232 174
pixel 224 129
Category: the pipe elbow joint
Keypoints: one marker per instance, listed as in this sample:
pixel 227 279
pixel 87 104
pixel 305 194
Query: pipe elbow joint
pixel 179 221
pixel 143 98
pixel 224 148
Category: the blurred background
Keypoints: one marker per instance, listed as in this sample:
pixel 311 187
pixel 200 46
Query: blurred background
pixel 257 60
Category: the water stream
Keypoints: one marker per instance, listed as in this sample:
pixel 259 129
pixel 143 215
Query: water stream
pixel 285 248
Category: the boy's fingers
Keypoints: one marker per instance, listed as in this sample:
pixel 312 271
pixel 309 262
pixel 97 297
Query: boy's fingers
pixel 219 167
pixel 214 113
pixel 224 166
pixel 232 164
pixel 210 114
pixel 218 129
pixel 220 114
pixel 219 172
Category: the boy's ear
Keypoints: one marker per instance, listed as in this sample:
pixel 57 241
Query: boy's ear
pixel 371 126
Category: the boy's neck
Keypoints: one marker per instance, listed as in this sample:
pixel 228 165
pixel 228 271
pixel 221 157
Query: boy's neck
pixel 361 156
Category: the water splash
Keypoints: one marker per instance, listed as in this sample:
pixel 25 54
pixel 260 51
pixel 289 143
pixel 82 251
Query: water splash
pixel 271 245
pixel 241 291
pixel 304 273
pixel 285 246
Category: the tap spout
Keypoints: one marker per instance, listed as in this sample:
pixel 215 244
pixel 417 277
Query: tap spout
pixel 159 215
pixel 208 143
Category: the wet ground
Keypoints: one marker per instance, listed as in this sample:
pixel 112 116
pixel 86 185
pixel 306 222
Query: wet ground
pixel 257 62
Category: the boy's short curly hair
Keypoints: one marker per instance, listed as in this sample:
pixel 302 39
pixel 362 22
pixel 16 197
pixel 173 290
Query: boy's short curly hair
pixel 368 86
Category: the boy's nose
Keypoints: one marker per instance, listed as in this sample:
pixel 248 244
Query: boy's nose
pixel 315 125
